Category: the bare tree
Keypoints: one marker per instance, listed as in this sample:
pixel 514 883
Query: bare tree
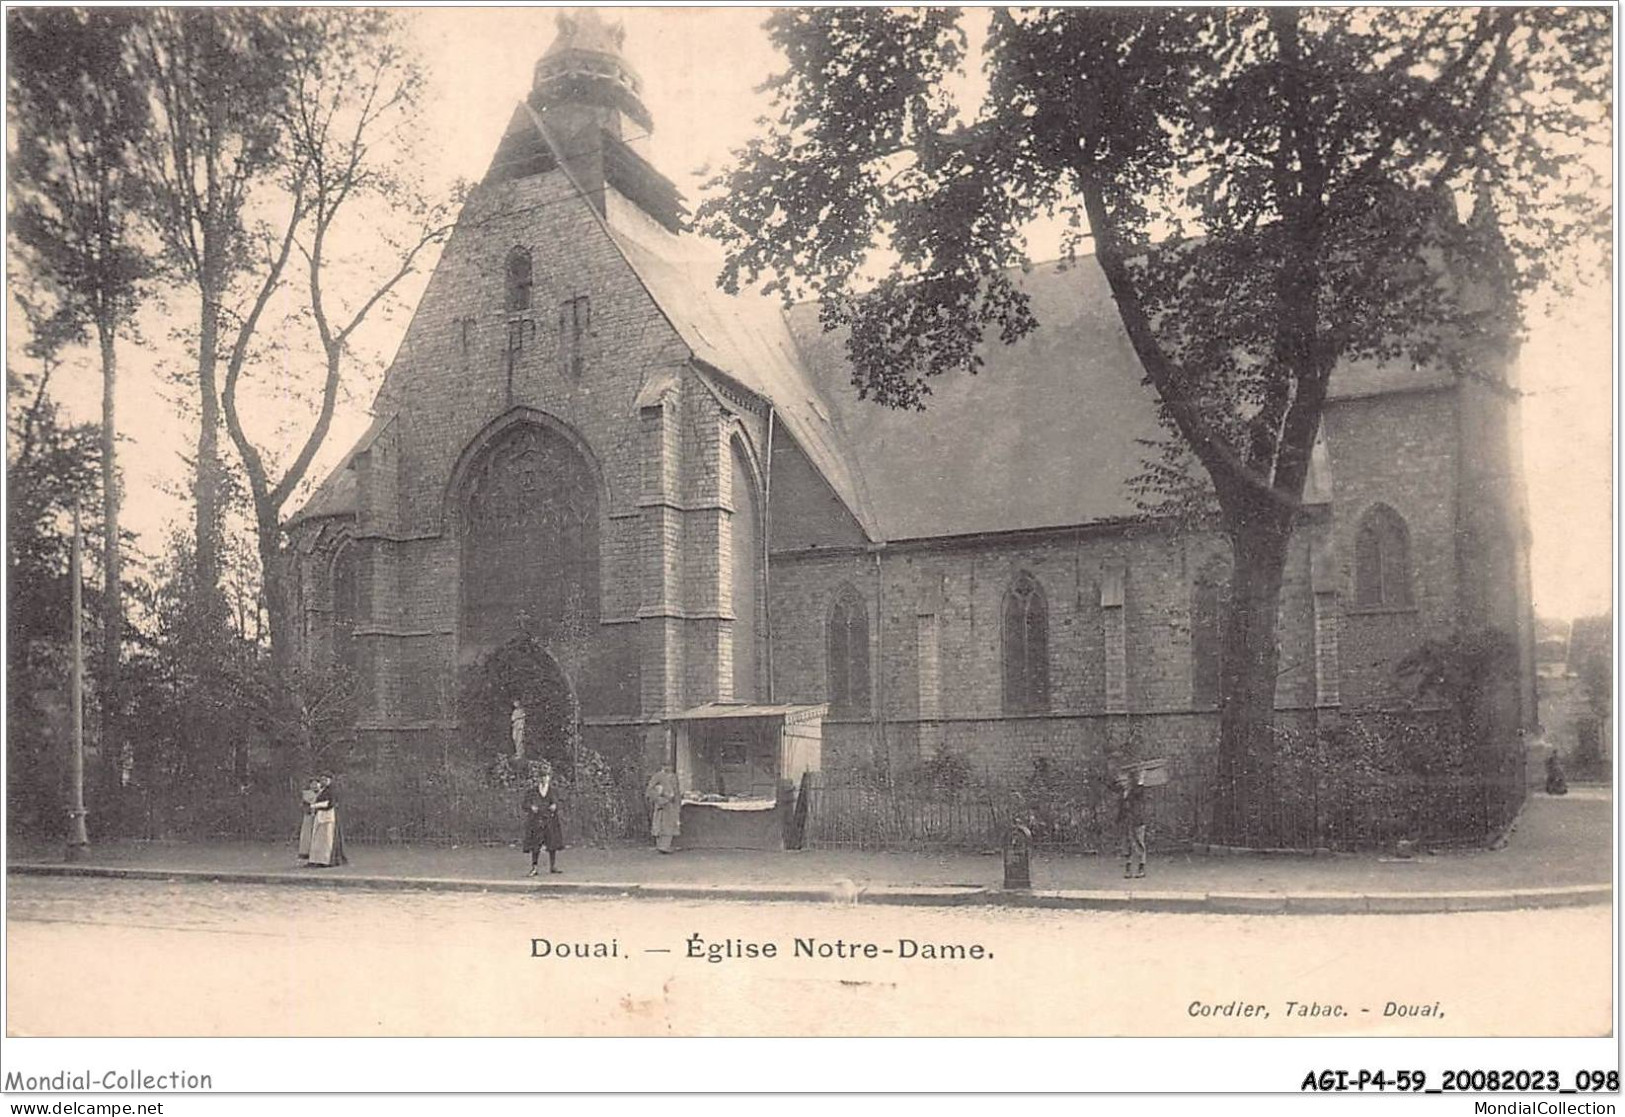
pixel 219 89
pixel 354 97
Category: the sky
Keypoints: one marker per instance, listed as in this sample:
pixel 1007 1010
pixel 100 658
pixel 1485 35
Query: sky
pixel 700 68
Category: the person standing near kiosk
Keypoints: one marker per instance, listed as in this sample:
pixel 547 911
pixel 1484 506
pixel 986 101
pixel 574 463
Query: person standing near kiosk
pixel 665 808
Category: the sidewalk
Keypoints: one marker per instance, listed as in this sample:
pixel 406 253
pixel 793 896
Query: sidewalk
pixel 1560 853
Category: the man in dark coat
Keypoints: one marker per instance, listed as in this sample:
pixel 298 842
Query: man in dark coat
pixel 1557 781
pixel 543 830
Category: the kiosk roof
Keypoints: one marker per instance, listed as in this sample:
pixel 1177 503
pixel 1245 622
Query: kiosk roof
pixel 716 711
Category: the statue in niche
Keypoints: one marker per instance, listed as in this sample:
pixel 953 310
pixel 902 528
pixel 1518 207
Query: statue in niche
pixel 517 721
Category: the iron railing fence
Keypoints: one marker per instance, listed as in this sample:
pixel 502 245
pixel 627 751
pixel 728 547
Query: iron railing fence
pixel 1318 810
pixel 1300 806
pixel 436 807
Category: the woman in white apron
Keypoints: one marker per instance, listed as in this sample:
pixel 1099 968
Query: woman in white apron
pixel 326 837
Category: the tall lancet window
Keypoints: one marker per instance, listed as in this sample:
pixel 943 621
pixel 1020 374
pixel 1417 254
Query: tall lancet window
pixel 747 580
pixel 346 606
pixel 575 326
pixel 849 654
pixel 519 280
pixel 1026 647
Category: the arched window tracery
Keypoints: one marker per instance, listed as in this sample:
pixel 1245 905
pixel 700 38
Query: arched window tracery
pixel 1026 647
pixel 1382 560
pixel 848 653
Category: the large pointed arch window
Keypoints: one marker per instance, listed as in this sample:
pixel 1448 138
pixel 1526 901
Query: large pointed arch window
pixel 849 654
pixel 1026 647
pixel 1382 560
pixel 530 552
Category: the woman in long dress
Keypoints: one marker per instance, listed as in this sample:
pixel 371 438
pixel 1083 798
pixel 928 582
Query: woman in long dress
pixel 326 836
pixel 307 819
pixel 665 810
pixel 543 829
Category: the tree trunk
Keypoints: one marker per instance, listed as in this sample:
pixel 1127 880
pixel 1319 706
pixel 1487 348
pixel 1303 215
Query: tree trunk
pixel 110 683
pixel 275 573
pixel 1248 671
pixel 206 484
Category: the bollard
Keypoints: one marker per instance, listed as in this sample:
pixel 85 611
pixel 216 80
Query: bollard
pixel 1018 857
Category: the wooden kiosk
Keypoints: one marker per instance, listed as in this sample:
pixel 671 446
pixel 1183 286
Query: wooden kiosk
pixel 740 767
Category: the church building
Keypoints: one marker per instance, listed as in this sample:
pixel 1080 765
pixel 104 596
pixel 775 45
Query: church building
pixel 597 484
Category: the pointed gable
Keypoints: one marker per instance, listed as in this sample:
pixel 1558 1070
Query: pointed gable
pixel 747 339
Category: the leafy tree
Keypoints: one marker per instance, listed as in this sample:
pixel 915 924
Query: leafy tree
pixel 1269 192
pixel 199 697
pixel 50 467
pixel 1591 657
pixel 77 195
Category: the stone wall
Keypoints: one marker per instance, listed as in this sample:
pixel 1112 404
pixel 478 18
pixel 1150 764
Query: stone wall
pixel 1400 450
pixel 936 655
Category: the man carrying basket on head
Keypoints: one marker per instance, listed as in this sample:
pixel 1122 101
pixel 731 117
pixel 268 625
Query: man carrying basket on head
pixel 1131 820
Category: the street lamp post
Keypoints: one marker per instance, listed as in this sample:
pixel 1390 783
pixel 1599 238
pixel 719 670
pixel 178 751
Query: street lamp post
pixel 78 839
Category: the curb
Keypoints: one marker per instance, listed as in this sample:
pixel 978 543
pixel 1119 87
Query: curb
pixel 1229 903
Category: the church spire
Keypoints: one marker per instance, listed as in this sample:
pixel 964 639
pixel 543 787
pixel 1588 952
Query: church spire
pixel 585 76
pixel 585 114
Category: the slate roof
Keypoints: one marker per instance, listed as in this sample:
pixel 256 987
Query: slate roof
pixel 746 338
pixel 1046 435
pixel 336 495
pixel 722 711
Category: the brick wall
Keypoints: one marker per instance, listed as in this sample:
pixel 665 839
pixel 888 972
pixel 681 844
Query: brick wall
pixel 1399 450
pixel 936 658
pixel 467 368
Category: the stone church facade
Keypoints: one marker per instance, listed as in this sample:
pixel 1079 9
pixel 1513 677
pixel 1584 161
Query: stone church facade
pixel 592 472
